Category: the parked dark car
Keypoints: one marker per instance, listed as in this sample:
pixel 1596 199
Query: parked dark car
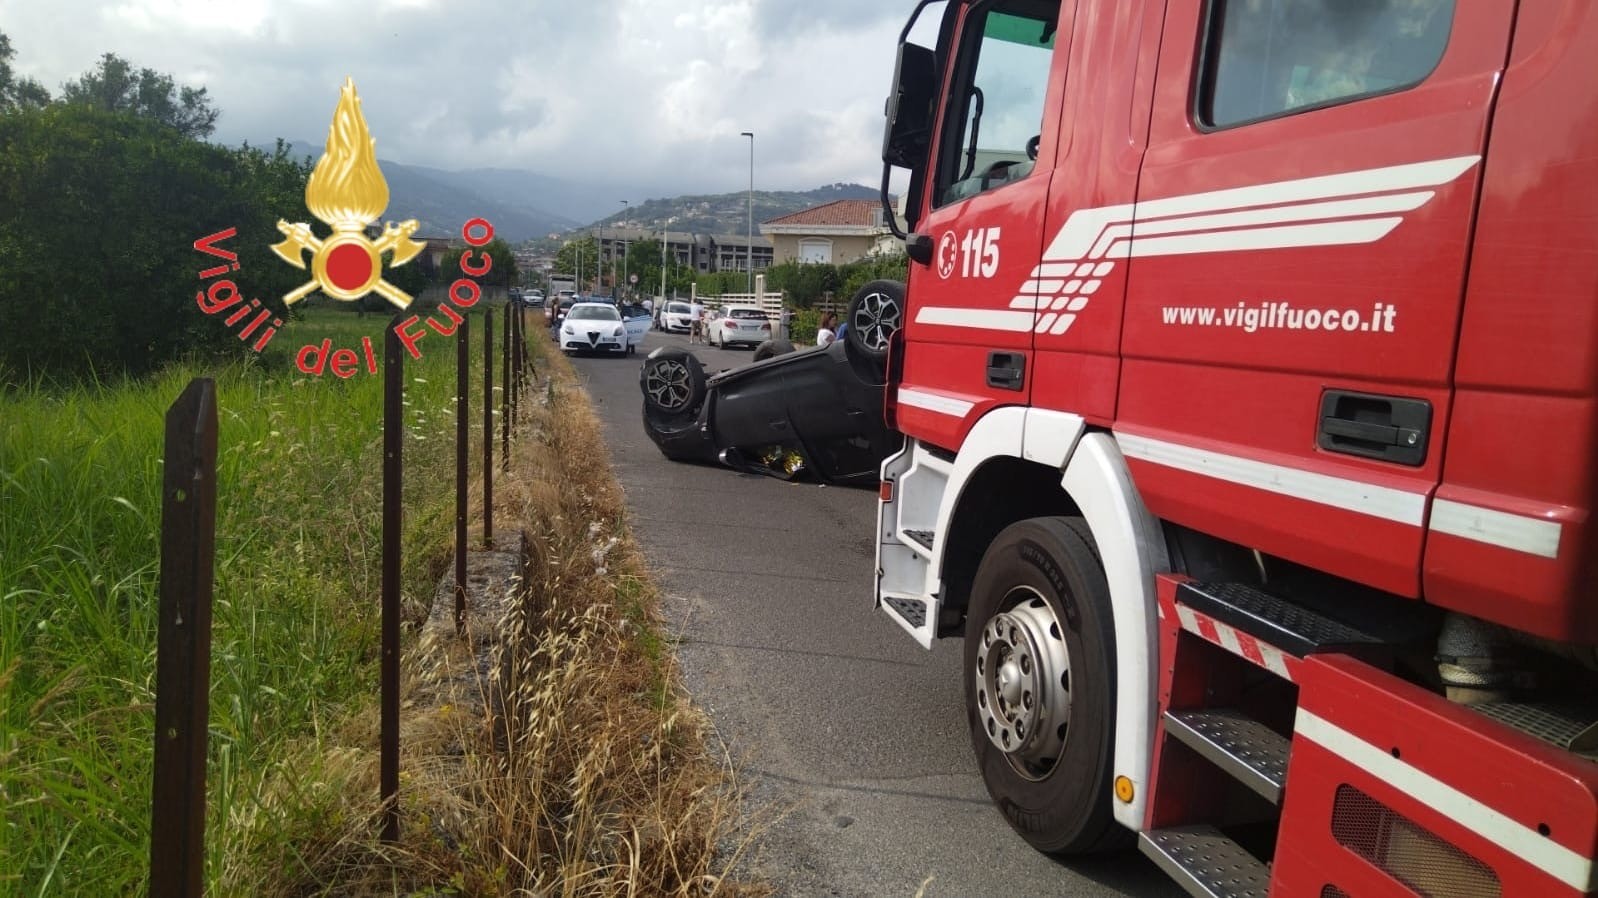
pixel 558 312
pixel 815 411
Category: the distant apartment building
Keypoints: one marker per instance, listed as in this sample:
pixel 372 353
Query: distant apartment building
pixel 833 233
pixel 430 259
pixel 700 252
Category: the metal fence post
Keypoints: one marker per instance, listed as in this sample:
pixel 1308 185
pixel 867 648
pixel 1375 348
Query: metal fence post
pixel 393 472
pixel 488 428
pixel 183 647
pixel 463 350
pixel 504 395
pixel 514 383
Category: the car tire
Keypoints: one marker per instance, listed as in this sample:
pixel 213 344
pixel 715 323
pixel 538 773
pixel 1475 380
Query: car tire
pixel 772 348
pixel 875 313
pixel 673 383
pixel 1040 685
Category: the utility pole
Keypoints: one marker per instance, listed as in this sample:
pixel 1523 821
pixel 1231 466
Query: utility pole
pixel 749 246
pixel 623 251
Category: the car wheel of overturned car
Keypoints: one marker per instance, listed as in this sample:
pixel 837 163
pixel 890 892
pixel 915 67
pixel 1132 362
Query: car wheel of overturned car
pixel 673 381
pixel 1040 684
pixel 771 348
pixel 875 313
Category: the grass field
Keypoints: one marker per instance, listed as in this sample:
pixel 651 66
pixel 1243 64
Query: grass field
pixel 294 651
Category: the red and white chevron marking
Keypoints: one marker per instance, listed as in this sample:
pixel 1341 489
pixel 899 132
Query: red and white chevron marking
pixel 1249 648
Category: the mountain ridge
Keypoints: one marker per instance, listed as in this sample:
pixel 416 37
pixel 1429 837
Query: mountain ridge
pixel 530 207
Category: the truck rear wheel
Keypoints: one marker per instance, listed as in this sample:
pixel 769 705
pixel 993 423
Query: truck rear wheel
pixel 1040 684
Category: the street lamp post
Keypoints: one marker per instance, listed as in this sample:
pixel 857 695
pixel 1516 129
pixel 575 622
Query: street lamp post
pixel 623 249
pixel 749 236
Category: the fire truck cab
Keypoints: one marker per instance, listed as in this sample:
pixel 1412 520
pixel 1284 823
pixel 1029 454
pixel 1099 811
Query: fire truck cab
pixel 1247 371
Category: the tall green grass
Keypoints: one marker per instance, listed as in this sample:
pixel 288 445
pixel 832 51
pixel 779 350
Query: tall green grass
pixel 295 631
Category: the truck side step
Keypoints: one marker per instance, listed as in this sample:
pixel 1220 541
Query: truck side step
pixel 1250 751
pixel 1567 725
pixel 1294 629
pixel 923 537
pixel 1206 863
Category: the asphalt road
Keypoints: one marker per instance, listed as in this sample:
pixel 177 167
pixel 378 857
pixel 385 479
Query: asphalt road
pixel 848 733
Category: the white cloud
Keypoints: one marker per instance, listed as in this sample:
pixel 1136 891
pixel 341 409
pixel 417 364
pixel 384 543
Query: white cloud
pixel 649 93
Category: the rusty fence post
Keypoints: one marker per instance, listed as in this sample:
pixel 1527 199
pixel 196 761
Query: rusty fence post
pixel 504 396
pixel 393 495
pixel 463 352
pixel 183 647
pixel 512 325
pixel 488 428
pixel 524 358
pixel 521 337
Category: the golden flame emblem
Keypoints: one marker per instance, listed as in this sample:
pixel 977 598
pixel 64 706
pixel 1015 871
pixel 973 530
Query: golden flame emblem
pixel 346 191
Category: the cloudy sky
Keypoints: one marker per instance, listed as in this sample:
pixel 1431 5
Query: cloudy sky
pixel 653 91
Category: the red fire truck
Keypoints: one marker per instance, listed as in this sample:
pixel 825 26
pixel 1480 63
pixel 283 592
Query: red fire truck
pixel 1248 373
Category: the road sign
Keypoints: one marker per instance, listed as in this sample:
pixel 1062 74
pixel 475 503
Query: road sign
pixel 632 278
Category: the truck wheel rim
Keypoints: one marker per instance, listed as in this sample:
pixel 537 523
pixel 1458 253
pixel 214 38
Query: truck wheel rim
pixel 875 319
pixel 1023 680
pixel 667 385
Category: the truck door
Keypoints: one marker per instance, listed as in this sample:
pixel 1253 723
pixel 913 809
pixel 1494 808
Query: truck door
pixel 970 312
pixel 1297 260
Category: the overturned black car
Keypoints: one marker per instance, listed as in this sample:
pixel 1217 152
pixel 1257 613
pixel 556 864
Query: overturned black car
pixel 815 412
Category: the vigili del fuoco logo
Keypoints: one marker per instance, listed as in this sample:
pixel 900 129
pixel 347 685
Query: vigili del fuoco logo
pixel 346 191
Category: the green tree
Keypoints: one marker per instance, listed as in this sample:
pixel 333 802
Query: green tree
pixel 804 283
pixel 644 259
pixel 715 283
pixel 114 86
pixel 502 273
pixel 578 256
pixel 17 93
pixel 98 273
pixel 893 267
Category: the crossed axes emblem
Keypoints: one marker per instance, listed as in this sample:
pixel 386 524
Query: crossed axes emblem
pixel 357 261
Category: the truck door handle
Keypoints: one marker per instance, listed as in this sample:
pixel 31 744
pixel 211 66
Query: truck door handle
pixel 1006 370
pixel 1389 428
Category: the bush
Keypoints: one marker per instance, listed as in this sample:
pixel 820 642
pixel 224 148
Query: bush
pixel 98 273
pixel 807 283
pixel 858 274
pixel 803 326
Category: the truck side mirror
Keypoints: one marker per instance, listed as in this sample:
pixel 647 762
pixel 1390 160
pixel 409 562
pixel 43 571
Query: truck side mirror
pixel 908 133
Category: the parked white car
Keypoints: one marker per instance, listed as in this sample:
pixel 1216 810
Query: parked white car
pixel 738 326
pixel 598 327
pixel 679 316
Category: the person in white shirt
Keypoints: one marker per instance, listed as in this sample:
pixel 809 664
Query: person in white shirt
pixel 825 332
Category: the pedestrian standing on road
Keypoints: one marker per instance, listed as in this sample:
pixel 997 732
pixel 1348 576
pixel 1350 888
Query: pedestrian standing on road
pixel 824 332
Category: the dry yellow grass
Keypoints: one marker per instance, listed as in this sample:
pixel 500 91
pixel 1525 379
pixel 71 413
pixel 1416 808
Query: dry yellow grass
pixel 576 767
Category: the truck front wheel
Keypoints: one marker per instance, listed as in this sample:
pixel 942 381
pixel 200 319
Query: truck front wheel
pixel 1040 684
